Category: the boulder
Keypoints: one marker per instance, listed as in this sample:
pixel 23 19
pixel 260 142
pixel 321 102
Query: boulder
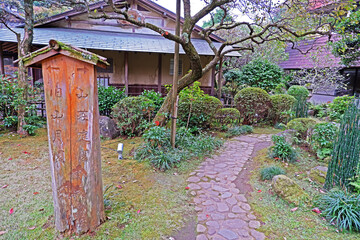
pixel 108 128
pixel 289 190
pixel 318 174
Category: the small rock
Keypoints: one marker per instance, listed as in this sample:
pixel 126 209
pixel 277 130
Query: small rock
pixel 289 190
pixel 201 237
pixel 108 128
pixel 200 228
pixel 222 207
pixel 228 234
pixel 254 224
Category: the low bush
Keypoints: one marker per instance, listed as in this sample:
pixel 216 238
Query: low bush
pixel 339 106
pixel 198 112
pixel 239 130
pixel 155 97
pixel 298 92
pixel 322 139
pixel 282 150
pixel 302 126
pixel 342 209
pixel 227 116
pixel 132 115
pixel 254 104
pixel 158 151
pixel 320 110
pixel 269 172
pixel 280 89
pixel 280 104
pixel 108 97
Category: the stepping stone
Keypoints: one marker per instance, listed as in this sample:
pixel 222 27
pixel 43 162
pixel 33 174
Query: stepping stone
pixel 201 237
pixel 219 189
pixel 228 234
pixel 237 209
pixel 231 201
pixel 194 186
pixel 235 223
pixel 254 224
pixel 217 216
pixel 220 165
pixel 200 228
pixel 193 179
pixel 213 224
pixel 245 206
pixel 205 185
pixel 226 195
pixel 222 207
pixel 257 235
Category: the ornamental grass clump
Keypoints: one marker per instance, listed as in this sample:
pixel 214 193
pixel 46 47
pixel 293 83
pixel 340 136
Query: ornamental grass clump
pixel 269 172
pixel 341 208
pixel 239 130
pixel 158 151
pixel 282 150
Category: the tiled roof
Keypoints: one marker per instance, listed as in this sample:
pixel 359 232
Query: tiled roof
pixel 318 49
pixel 102 40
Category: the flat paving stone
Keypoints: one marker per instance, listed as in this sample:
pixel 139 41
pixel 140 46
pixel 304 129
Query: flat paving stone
pixel 223 212
pixel 228 234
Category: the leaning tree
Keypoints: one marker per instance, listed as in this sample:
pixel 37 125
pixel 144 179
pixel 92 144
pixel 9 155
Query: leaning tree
pixel 286 21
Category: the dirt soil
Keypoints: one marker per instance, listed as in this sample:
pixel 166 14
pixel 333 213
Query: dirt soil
pixel 242 181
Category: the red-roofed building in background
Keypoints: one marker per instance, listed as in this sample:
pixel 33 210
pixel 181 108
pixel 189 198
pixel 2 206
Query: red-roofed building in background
pixel 317 52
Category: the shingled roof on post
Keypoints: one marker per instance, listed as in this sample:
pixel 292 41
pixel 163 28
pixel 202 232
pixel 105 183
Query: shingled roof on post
pixel 56 47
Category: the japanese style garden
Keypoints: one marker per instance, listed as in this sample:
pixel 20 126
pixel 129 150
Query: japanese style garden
pixel 257 159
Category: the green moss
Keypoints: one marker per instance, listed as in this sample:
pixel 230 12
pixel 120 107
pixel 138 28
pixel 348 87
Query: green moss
pixel 318 174
pixel 35 54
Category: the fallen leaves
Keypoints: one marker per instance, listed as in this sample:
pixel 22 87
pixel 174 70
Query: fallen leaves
pixel 259 191
pixel 119 186
pixel 187 188
pixel 5 186
pixel 316 210
pixel 11 211
pixel 32 228
pixel 2 232
pixel 36 193
pixel 25 152
pixel 138 211
pixel 10 159
pixel 294 209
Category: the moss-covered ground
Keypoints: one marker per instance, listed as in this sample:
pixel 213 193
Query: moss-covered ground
pixel 142 203
pixel 280 222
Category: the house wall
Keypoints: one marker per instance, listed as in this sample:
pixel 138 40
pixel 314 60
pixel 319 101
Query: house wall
pixel 143 68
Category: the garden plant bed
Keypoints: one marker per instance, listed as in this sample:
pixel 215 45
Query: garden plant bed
pixel 281 219
pixel 141 203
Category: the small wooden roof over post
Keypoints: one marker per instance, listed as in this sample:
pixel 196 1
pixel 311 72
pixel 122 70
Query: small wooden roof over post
pixel 55 47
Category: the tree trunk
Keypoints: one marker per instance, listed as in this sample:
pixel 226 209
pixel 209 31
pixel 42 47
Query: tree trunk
pixel 24 48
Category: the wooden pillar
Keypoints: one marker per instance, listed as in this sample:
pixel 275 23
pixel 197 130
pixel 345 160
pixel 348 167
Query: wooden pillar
pixel 160 73
pixel 213 81
pixel 126 72
pixel 2 67
pixel 220 78
pixel 73 125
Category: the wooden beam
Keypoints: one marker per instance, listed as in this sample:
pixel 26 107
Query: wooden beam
pixel 213 81
pixel 160 73
pixel 220 78
pixel 126 72
pixel 2 67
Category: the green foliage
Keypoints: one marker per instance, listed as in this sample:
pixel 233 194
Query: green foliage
pixel 253 103
pixel 227 116
pixel 30 129
pixel 355 184
pixel 239 130
pixel 233 75
pixel 11 121
pixel 158 151
pixel 301 126
pixel 280 104
pixel 320 110
pixel 345 158
pixel 108 97
pixel 322 139
pixel 155 97
pixel 339 106
pixel 298 92
pixel 342 209
pixel 196 109
pixel 347 47
pixel 282 150
pixel 261 73
pixel 218 16
pixel 132 115
pixel 269 172
pixel 280 89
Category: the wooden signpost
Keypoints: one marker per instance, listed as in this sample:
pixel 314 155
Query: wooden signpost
pixel 70 87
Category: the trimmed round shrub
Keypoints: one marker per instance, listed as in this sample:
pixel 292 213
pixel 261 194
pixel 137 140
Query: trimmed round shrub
pixel 301 126
pixel 227 115
pixel 253 103
pixel 132 115
pixel 269 172
pixel 280 103
pixel 298 92
pixel 261 73
pixel 339 106
pixel 199 112
pixel 280 89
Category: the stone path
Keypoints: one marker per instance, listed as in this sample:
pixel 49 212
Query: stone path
pixel 222 211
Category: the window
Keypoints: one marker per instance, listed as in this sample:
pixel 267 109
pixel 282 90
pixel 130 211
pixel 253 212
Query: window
pixel 103 81
pixel 172 67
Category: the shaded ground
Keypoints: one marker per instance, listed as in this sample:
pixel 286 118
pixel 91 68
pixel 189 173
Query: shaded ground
pixel 141 203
